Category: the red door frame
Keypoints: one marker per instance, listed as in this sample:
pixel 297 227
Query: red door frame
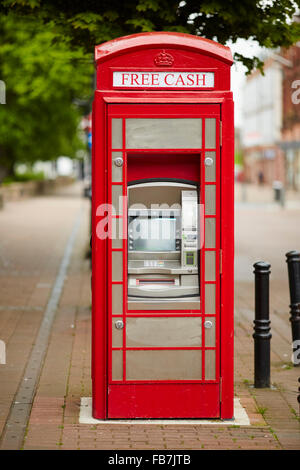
pixel 99 282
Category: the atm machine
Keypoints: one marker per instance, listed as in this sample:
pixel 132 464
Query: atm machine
pixel 163 246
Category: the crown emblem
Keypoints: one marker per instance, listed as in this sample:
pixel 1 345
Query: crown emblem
pixel 163 59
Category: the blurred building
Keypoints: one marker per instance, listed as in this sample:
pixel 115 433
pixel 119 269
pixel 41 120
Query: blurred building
pixel 238 159
pixel 262 120
pixel 290 142
pixel 62 166
pixel 237 141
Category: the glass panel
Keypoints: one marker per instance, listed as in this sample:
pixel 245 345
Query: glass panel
pixel 163 133
pixel 117 199
pixel 117 365
pixel 210 199
pixel 163 332
pixel 210 333
pixel 116 171
pixel 210 233
pixel 210 167
pixel 210 364
pixel 117 299
pixel 210 265
pixel 210 298
pixel 164 365
pixel 152 234
pixel 210 133
pixel 116 134
pixel 117 232
pixel 117 266
pixel 116 333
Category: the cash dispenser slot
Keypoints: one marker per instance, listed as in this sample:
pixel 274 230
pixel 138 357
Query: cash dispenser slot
pixel 153 286
pixel 145 282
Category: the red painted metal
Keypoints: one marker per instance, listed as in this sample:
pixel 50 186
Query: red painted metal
pixel 99 270
pixel 164 400
pixel 160 168
pixel 227 244
pixel 201 398
pixel 162 40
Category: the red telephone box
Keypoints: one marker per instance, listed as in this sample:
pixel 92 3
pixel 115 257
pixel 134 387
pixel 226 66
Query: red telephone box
pixel 162 228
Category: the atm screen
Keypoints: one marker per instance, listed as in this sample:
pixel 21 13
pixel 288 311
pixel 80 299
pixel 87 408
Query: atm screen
pixel 152 234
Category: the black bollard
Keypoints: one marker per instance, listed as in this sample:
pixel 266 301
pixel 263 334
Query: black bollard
pixel 298 397
pixel 262 335
pixel 293 262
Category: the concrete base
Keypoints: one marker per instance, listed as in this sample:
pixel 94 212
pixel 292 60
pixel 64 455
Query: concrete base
pixel 240 417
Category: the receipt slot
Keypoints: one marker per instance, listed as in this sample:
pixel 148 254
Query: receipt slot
pixel 162 229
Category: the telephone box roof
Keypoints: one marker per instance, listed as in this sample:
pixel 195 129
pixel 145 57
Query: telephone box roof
pixel 168 40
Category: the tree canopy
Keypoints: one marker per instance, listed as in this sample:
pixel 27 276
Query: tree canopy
pixel 43 78
pixel 46 57
pixel 89 22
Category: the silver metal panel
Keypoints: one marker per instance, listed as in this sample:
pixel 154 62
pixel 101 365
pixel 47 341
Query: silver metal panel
pixel 163 365
pixel 163 133
pixel 163 332
pixel 163 291
pixel 210 298
pixel 210 170
pixel 117 266
pixel 117 333
pixel 164 212
pixel 210 364
pixel 210 333
pixel 179 304
pixel 117 233
pixel 117 199
pixel 210 199
pixel 116 133
pixel 136 257
pixel 116 171
pixel 148 277
pixel 157 286
pixel 210 266
pixel 189 280
pixel 117 299
pixel 136 266
pixel 117 365
pixel 163 195
pixel 210 133
pixel 210 233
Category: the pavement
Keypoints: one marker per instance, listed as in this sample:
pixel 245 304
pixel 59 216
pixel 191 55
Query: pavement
pixel 44 271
